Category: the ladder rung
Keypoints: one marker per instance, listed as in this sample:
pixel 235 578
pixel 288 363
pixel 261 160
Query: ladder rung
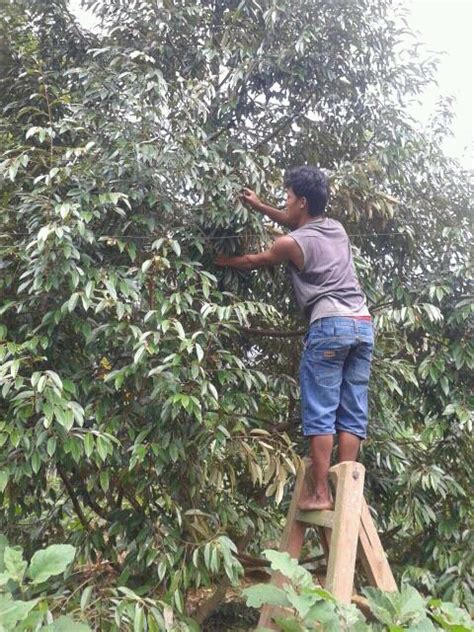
pixel 322 518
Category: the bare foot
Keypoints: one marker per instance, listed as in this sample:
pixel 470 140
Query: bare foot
pixel 315 503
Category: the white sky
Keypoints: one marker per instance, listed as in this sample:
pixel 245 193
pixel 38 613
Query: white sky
pixel 447 25
pixel 444 26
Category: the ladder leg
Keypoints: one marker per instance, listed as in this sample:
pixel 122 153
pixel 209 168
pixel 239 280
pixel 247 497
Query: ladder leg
pixel 292 537
pixel 325 540
pixel 325 533
pixel 372 555
pixel 349 476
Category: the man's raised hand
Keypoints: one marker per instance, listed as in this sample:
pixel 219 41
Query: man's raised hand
pixel 250 197
pixel 281 217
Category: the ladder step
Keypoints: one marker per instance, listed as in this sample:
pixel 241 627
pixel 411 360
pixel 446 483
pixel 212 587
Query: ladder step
pixel 322 518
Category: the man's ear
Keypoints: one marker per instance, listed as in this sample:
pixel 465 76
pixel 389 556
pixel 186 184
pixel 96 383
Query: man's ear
pixel 304 203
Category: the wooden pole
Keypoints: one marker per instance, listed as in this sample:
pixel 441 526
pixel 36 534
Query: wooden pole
pixel 349 477
pixel 291 539
pixel 371 554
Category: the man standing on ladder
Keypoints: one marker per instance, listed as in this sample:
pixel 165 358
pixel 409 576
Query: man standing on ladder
pixel 337 352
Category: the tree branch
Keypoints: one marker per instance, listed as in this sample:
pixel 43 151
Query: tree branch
pixel 280 127
pixel 73 497
pixel 273 332
pixel 93 505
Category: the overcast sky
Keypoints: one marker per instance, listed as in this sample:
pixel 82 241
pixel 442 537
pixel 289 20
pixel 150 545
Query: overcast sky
pixel 444 26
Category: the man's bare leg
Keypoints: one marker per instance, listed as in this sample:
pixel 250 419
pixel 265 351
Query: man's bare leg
pixel 321 448
pixel 347 447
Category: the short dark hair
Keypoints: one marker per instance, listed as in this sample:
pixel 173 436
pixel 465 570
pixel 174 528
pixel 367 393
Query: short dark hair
pixel 311 183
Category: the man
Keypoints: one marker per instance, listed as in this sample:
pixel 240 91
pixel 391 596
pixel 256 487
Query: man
pixel 335 365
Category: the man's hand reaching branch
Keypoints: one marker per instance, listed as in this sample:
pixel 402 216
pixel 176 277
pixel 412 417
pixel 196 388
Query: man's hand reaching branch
pixel 250 198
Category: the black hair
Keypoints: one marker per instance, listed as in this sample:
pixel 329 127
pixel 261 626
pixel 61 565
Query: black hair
pixel 311 183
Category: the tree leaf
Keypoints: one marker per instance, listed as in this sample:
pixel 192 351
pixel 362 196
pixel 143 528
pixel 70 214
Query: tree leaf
pixel 50 561
pixel 13 611
pixel 3 480
pixel 289 567
pixel 260 594
pixel 66 624
pixel 15 565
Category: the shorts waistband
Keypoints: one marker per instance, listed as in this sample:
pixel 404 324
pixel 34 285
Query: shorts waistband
pixel 339 317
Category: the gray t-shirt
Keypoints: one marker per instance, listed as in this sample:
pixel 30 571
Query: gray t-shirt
pixel 327 285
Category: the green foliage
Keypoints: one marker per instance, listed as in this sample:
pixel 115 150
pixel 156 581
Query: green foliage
pixel 20 610
pixel 30 598
pixel 309 607
pixel 400 609
pixel 51 561
pixel 310 604
pixel 144 418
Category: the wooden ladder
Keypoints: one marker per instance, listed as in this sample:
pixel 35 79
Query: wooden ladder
pixel 347 533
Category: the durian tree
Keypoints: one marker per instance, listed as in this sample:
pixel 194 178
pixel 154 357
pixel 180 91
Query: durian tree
pixel 149 410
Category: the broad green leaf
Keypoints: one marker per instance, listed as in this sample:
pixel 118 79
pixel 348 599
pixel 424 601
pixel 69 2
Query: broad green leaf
pixel 288 624
pixel 451 617
pixel 50 561
pixel 14 611
pixel 140 352
pixel 289 567
pixel 72 302
pixel 88 444
pixel 326 615
pixel 302 603
pixel 261 594
pixel 51 446
pixel 406 606
pixel 35 462
pixel 425 625
pixel 66 624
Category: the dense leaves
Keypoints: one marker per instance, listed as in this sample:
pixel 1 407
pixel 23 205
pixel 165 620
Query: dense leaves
pixel 308 607
pixel 24 602
pixel 145 415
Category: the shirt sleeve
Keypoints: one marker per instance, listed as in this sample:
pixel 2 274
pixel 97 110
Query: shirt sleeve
pixel 300 241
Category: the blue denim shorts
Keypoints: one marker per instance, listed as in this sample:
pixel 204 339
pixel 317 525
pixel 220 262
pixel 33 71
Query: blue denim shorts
pixel 334 376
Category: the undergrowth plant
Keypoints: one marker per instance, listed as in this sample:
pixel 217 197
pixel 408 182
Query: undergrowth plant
pixel 306 607
pixel 29 589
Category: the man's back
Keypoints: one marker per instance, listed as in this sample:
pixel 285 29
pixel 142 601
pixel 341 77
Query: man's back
pixel 327 285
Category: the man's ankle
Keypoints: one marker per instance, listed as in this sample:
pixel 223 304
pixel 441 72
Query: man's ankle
pixel 322 492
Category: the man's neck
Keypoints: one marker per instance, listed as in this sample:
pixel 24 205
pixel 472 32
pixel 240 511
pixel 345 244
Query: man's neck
pixel 306 219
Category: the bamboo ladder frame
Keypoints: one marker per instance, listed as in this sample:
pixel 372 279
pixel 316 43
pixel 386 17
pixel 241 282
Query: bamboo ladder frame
pixel 347 533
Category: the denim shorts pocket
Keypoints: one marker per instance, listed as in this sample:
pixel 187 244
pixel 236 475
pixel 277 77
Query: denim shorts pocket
pixel 325 359
pixel 358 368
pixel 328 366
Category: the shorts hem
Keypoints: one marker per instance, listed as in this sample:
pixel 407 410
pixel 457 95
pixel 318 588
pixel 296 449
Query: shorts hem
pixel 359 435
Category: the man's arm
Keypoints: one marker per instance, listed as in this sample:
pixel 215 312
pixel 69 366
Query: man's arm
pixel 284 249
pixel 281 217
